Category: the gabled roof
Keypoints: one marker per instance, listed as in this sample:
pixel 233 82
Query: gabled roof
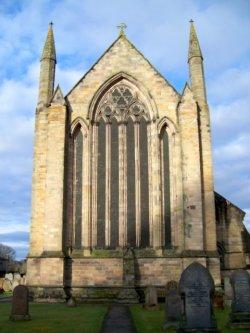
pixel 122 36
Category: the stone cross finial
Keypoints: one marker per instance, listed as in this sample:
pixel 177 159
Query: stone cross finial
pixel 122 27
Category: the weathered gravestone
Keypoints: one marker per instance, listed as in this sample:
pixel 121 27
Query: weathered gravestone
pixel 7 285
pixel 228 292
pixel 9 276
pixel 196 287
pixel 173 305
pixel 20 304
pixel 240 314
pixel 151 299
pixel 17 276
pixel 1 282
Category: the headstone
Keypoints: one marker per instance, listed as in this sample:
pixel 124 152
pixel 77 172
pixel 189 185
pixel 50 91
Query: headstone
pixel 196 287
pixel 228 292
pixel 7 285
pixel 17 276
pixel 240 314
pixel 151 299
pixel 71 303
pixel 20 304
pixel 1 282
pixel 173 306
pixel 9 276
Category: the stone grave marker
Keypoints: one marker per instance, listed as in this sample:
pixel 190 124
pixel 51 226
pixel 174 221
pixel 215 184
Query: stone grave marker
pixel 17 276
pixel 20 304
pixel 151 298
pixel 7 285
pixel 1 282
pixel 173 306
pixel 196 287
pixel 228 292
pixel 240 314
pixel 9 276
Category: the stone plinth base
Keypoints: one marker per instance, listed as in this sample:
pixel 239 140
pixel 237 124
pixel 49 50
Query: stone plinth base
pixel 20 317
pixel 47 294
pixel 239 320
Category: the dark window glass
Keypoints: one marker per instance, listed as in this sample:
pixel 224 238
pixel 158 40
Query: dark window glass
pixel 101 184
pixel 78 188
pixel 166 189
pixel 131 238
pixel 144 183
pixel 114 186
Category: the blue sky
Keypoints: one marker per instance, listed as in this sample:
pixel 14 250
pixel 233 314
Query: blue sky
pixel 83 30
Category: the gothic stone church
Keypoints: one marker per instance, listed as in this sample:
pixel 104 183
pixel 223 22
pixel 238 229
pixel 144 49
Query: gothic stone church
pixel 123 190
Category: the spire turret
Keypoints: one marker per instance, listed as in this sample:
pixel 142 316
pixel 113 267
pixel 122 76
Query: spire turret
pixel 49 51
pixel 196 71
pixel 194 46
pixel 47 70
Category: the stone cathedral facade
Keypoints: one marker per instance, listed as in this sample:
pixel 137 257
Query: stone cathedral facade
pixel 123 192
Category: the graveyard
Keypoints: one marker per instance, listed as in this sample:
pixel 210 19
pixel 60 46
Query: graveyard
pixel 55 318
pixel 188 306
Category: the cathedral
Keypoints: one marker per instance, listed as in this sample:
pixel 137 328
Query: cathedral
pixel 123 189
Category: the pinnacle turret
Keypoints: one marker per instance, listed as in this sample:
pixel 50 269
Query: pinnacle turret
pixel 194 46
pixel 47 70
pixel 49 51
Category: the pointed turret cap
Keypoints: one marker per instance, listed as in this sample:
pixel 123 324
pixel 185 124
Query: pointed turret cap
pixel 194 46
pixel 49 51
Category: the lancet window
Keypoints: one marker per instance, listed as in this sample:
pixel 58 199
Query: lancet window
pixel 165 181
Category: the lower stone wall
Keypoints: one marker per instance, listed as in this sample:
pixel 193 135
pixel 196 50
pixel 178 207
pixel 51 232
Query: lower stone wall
pixel 45 271
pixel 101 279
pixel 97 272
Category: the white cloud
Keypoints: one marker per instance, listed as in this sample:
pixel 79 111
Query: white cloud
pixel 159 28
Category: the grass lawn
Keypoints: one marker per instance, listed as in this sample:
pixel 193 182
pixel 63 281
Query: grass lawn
pixel 55 318
pixel 152 321
pixel 5 294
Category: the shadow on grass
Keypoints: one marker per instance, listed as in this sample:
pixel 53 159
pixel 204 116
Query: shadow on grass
pixel 152 321
pixel 55 318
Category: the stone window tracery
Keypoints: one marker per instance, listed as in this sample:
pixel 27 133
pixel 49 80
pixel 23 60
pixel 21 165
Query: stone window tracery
pixel 121 102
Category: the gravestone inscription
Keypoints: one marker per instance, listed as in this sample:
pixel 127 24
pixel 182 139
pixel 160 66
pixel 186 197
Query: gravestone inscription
pixel 20 304
pixel 196 287
pixel 240 314
pixel 173 306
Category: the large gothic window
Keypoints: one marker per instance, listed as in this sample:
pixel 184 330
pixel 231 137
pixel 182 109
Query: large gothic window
pixel 122 165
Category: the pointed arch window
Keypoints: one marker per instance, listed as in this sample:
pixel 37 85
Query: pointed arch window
pixel 165 175
pixel 77 184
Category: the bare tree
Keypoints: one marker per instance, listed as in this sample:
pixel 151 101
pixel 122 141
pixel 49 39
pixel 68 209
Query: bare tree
pixel 7 252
